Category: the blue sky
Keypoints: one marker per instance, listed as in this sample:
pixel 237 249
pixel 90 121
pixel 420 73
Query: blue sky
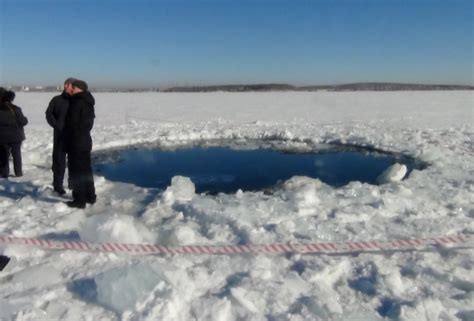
pixel 125 43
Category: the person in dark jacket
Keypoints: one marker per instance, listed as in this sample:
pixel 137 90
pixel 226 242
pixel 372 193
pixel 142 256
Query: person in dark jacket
pixel 78 145
pixel 12 134
pixel 3 147
pixel 55 116
pixel 3 261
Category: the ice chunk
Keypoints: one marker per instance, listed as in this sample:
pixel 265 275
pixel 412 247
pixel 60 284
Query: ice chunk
pixel 181 234
pixel 245 298
pixel 116 228
pixel 301 192
pixel 394 173
pixel 464 315
pixel 306 197
pixel 222 311
pixel 424 310
pixel 6 310
pixel 185 235
pixel 37 277
pixel 362 316
pixel 181 189
pixel 215 310
pixel 122 288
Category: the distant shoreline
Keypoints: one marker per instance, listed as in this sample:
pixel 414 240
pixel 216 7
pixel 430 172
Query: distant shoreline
pixel 344 87
pixel 351 87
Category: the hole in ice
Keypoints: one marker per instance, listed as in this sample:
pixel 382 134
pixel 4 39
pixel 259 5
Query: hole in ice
pixel 389 308
pixel 465 315
pixel 67 236
pixel 299 267
pixel 232 281
pixel 366 280
pixel 228 169
pixel 85 289
pixel 364 285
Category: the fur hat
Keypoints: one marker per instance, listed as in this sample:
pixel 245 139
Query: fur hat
pixel 80 84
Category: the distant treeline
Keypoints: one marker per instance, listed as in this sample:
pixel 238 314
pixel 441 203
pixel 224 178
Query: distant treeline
pixel 345 87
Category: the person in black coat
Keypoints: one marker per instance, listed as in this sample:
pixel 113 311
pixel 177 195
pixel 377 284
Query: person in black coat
pixel 3 261
pixel 3 147
pixel 56 116
pixel 78 145
pixel 12 134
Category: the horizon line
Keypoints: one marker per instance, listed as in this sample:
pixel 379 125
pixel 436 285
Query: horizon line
pixel 50 86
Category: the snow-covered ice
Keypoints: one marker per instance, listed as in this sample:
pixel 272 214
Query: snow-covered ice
pixel 437 284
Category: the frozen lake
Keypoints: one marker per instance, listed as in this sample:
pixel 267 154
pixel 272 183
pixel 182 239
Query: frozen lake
pixel 430 284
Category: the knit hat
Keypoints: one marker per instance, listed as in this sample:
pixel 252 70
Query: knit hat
pixel 70 80
pixel 80 84
pixel 8 96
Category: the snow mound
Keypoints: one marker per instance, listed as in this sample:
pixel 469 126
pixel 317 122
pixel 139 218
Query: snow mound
pixel 185 235
pixel 116 228
pixel 182 189
pixel 302 193
pixel 122 288
pixel 394 173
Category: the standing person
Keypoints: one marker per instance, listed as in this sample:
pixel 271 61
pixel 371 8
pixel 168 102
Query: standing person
pixel 55 116
pixel 12 133
pixel 78 144
pixel 3 146
pixel 3 261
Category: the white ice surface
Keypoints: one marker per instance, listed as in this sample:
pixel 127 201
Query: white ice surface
pixel 436 127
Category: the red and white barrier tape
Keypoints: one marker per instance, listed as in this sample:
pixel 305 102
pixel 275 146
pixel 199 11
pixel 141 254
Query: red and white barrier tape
pixel 360 246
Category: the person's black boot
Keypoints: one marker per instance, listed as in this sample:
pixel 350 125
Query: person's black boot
pixel 76 204
pixel 60 190
pixel 91 200
pixel 3 261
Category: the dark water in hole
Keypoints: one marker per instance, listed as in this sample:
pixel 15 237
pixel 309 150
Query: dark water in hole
pixel 220 169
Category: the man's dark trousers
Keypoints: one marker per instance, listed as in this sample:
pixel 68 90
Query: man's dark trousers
pixel 15 149
pixel 81 177
pixel 4 161
pixel 59 163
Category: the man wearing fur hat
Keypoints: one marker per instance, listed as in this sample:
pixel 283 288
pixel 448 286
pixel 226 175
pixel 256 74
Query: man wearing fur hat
pixel 78 144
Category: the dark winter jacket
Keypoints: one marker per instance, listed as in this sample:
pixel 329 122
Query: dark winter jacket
pixel 79 122
pixel 12 122
pixel 56 113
